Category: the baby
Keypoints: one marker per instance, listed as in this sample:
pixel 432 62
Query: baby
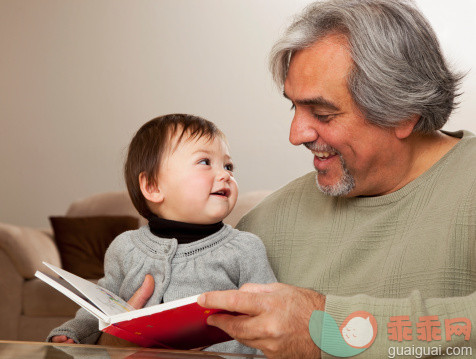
pixel 179 175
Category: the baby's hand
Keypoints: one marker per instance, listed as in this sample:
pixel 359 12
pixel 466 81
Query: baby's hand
pixel 62 339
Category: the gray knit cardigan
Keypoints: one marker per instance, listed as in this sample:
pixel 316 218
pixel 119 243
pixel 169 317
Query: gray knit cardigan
pixel 224 260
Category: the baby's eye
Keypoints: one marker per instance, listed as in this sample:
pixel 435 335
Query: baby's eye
pixel 229 167
pixel 204 161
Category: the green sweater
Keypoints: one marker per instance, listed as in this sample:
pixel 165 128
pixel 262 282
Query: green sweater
pixel 409 253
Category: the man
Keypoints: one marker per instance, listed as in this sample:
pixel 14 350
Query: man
pixel 391 227
pixel 387 223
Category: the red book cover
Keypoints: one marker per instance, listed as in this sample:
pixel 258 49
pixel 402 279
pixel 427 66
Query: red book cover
pixel 184 327
pixel 180 324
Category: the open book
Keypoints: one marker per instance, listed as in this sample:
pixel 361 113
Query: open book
pixel 180 324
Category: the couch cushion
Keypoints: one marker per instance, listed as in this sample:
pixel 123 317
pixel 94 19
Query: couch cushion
pixel 42 300
pixel 119 203
pixel 244 204
pixel 108 203
pixel 82 241
pixel 27 248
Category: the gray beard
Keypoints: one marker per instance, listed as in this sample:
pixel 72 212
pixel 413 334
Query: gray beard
pixel 343 187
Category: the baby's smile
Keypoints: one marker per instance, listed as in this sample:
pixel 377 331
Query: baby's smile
pixel 224 192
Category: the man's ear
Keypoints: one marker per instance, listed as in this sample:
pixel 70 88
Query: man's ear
pixel 151 192
pixel 405 128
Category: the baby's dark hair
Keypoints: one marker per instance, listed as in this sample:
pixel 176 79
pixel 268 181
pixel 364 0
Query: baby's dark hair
pixel 149 145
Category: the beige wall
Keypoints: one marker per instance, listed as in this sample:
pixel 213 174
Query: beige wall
pixel 78 77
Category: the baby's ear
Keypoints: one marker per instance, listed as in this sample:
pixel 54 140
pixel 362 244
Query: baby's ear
pixel 151 192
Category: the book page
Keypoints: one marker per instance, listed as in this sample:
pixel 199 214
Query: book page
pixel 108 302
pixel 154 309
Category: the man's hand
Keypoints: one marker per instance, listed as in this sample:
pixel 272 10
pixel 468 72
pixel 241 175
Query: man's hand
pixel 276 317
pixel 138 300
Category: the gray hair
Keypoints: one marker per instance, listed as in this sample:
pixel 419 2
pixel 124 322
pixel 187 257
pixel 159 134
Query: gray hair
pixel 398 71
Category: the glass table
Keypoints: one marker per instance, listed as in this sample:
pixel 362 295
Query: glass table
pixel 39 350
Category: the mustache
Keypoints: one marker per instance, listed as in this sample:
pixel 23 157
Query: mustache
pixel 320 147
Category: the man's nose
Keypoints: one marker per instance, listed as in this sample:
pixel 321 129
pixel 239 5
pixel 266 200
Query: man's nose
pixel 302 130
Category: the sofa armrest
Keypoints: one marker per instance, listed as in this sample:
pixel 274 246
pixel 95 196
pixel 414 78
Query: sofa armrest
pixel 27 248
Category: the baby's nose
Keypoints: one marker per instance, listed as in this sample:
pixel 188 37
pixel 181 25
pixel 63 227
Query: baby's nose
pixel 223 175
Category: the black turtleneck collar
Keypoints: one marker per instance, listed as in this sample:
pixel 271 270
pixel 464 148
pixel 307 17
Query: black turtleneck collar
pixel 183 232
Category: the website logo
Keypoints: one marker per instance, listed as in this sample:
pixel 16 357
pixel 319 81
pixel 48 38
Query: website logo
pixel 356 333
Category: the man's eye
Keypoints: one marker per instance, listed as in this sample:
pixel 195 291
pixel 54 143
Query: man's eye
pixel 229 167
pixel 293 107
pixel 204 161
pixel 323 118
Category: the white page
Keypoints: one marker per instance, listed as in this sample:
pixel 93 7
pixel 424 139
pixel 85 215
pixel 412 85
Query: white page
pixel 103 324
pixel 108 302
pixel 153 309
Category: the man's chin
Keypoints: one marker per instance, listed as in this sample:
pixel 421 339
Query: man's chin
pixel 340 188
